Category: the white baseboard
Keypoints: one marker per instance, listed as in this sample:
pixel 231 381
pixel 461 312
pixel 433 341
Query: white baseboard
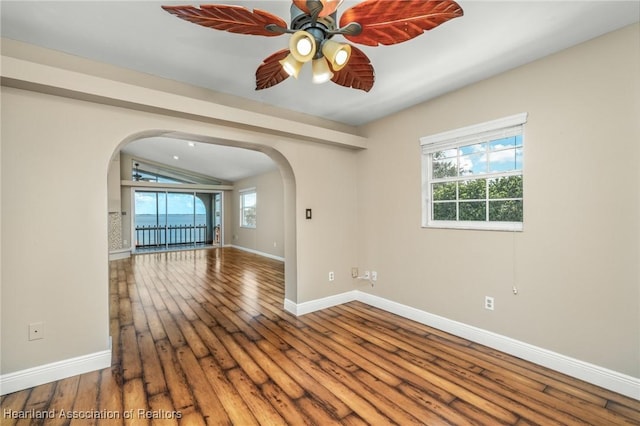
pixel 260 253
pixel 594 374
pixel 319 304
pixel 13 382
pixel 119 254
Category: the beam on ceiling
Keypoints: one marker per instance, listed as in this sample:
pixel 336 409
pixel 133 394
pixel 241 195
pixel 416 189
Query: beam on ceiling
pixel 42 78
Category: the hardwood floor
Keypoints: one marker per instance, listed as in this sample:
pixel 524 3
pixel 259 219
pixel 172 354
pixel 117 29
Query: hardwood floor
pixel 200 337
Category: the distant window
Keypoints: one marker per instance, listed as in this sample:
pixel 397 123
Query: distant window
pixel 472 177
pixel 146 172
pixel 139 174
pixel 248 200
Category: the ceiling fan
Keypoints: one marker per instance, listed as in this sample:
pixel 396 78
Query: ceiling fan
pixel 314 24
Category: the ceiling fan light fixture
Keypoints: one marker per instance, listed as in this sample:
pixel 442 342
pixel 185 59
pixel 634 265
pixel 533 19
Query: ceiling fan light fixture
pixel 302 46
pixel 321 71
pixel 291 65
pixel 314 22
pixel 337 54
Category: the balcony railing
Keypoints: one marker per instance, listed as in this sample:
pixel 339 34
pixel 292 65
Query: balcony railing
pixel 171 235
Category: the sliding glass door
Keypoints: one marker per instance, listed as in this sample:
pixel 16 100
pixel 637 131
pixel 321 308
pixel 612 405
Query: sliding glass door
pixel 172 219
pixel 216 203
pixel 150 218
pixel 180 218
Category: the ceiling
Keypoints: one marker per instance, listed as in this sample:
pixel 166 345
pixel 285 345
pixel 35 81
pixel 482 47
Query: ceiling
pixel 223 162
pixel 490 38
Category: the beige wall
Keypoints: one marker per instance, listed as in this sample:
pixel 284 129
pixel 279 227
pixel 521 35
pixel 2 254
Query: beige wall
pixel 113 185
pixel 268 235
pixel 54 245
pixel 576 264
pixel 54 252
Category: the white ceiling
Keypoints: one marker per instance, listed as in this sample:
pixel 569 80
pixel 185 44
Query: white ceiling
pixel 490 38
pixel 224 162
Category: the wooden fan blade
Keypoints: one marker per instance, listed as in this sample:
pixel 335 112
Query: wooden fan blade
pixel 235 19
pixel 270 72
pixel 390 22
pixel 329 6
pixel 358 73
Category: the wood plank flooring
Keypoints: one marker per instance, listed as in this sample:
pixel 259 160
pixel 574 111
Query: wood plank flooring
pixel 200 337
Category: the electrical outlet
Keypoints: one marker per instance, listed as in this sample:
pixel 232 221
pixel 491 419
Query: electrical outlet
pixel 374 276
pixel 36 331
pixel 354 272
pixel 332 276
pixel 366 275
pixel 489 303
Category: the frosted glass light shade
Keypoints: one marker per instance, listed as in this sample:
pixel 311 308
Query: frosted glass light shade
pixel 303 46
pixel 321 71
pixel 337 54
pixel 291 66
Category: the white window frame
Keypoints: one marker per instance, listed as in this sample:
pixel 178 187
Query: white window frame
pixel 242 194
pixel 477 133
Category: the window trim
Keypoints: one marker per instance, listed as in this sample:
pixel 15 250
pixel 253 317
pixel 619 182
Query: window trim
pixel 241 194
pixel 477 133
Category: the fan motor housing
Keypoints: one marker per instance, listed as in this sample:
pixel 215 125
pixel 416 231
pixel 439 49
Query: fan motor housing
pixel 301 21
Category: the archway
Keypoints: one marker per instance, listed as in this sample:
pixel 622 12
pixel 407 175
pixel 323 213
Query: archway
pixel 289 190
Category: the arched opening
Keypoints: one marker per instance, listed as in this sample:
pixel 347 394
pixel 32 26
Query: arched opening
pixel 127 238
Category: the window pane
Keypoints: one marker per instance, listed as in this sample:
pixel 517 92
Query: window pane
pixel 518 140
pixel 444 211
pixel 202 200
pixel 506 187
pixel 473 189
pixel 473 164
pixel 249 199
pixel 473 149
pixel 248 209
pixel 249 217
pixel 474 210
pixel 139 174
pixel 503 161
pixel 445 168
pixel 162 208
pixel 180 208
pixel 447 153
pixel 519 155
pixel 444 191
pixel 146 218
pixel 505 211
pixel 503 143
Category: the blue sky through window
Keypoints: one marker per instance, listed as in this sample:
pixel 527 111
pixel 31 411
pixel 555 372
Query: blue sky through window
pixel 496 156
pixel 179 203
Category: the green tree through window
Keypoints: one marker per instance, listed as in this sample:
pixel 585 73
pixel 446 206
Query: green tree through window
pixel 248 201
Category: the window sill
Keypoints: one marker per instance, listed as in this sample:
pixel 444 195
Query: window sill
pixel 476 226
